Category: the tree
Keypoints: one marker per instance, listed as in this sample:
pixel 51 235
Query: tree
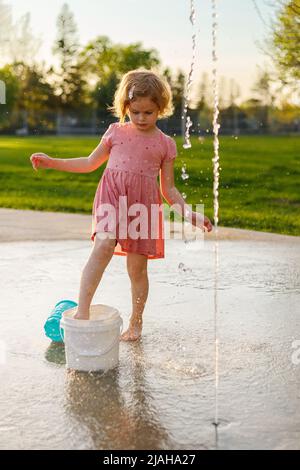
pixel 167 74
pixel 286 40
pixel 234 92
pixel 29 98
pixel 223 92
pixel 100 58
pixel 133 56
pixel 232 110
pixel 70 84
pixel 178 89
pixel 12 91
pixel 35 96
pixel 18 43
pixel 5 27
pixel 104 63
pixel 103 94
pixel 264 97
pixel 262 88
pixel 203 100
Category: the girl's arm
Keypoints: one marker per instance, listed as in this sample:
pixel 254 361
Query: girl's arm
pixel 173 197
pixel 73 165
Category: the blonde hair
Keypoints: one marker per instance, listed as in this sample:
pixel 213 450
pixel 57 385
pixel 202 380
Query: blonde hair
pixel 142 83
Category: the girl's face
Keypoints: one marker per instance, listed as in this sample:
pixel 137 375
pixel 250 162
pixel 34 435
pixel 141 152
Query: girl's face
pixel 143 113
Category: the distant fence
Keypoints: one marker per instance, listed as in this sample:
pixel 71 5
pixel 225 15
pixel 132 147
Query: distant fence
pixel 27 123
pixel 24 123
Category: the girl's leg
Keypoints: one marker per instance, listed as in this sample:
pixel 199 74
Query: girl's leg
pixel 137 270
pixel 92 273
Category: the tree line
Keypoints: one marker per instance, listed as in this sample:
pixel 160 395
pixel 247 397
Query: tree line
pixel 84 79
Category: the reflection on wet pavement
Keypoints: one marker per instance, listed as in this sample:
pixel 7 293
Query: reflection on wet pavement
pixel 162 394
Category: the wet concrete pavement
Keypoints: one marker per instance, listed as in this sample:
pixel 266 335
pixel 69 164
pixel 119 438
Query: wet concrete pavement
pixel 163 395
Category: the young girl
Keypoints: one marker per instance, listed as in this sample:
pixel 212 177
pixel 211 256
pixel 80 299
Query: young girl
pixel 137 152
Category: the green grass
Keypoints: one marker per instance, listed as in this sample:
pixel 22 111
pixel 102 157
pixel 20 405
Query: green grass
pixel 259 179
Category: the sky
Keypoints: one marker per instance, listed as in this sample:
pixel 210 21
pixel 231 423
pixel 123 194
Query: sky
pixel 164 25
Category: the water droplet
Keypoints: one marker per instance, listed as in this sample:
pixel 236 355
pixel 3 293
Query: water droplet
pixel 187 146
pixel 184 174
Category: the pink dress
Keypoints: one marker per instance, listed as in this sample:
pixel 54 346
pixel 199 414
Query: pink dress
pixel 130 176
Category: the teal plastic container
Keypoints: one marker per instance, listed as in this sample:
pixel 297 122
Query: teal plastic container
pixel 52 324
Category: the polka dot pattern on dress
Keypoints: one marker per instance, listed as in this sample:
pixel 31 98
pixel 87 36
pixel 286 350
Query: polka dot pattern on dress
pixel 132 169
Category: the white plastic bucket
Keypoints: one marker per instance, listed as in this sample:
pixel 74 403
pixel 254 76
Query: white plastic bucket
pixel 92 344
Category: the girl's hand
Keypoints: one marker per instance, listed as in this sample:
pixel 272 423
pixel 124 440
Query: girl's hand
pixel 40 160
pixel 200 221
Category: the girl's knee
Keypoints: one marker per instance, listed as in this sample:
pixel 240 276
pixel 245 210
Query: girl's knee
pixel 104 246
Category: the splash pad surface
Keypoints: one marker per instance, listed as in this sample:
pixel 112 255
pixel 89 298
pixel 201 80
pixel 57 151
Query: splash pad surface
pixel 162 394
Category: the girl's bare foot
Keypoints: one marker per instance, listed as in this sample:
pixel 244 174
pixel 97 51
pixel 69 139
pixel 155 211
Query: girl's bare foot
pixel 134 331
pixel 81 315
